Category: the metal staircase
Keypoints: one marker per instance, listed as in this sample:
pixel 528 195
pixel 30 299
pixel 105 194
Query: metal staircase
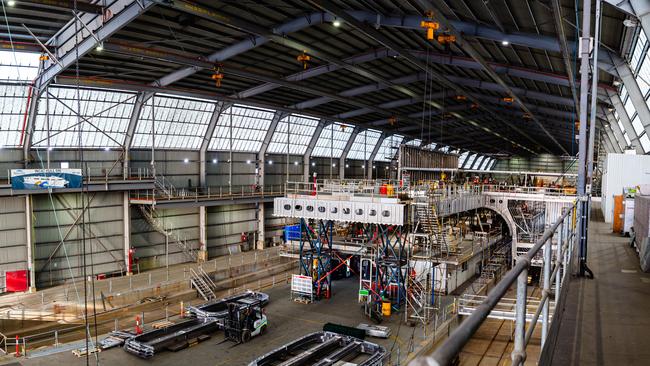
pixel 203 284
pixel 430 224
pixel 150 215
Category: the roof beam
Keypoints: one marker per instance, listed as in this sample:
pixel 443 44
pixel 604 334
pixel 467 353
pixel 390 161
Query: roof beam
pixel 70 49
pixel 64 4
pixel 616 130
pixel 564 48
pixel 625 121
pixel 279 32
pixel 634 92
pixel 382 39
pixel 469 49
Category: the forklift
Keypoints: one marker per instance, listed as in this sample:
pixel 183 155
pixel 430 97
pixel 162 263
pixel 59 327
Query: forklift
pixel 244 320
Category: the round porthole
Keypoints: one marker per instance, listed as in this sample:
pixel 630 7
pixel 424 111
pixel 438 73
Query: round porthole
pixel 298 208
pixel 346 211
pixel 500 201
pixel 385 213
pixel 321 209
pixel 372 212
pixel 359 211
pixel 334 210
pixel 492 200
pixel 310 208
pixel 287 207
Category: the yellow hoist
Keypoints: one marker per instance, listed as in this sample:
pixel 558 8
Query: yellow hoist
pixel 217 76
pixel 304 58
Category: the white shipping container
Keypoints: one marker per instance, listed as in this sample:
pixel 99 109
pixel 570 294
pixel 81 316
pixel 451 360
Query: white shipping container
pixel 622 170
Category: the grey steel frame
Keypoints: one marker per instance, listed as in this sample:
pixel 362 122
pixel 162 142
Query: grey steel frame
pixel 554 272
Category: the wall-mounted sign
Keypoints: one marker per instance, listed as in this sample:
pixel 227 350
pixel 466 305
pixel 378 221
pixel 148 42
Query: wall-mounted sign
pixel 45 178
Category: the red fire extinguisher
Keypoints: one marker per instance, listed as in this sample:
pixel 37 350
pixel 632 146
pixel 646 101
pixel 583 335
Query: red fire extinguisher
pixel 313 192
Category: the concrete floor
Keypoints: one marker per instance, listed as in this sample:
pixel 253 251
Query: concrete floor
pixel 607 319
pixel 287 320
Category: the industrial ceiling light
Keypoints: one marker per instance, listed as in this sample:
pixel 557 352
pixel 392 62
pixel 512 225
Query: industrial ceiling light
pixel 505 43
pixel 616 83
pixel 11 3
pixel 214 161
pixel 334 165
pixel 347 165
pixel 186 160
pixel 248 161
pixel 270 162
pixel 295 163
pixel 629 23
pixel 336 23
pixel 107 149
pixel 313 163
pixel 100 47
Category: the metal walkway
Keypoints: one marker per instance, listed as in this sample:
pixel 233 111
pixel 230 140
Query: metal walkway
pixel 606 320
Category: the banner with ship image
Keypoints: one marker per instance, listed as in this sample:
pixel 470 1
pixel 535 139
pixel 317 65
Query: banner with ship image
pixel 45 178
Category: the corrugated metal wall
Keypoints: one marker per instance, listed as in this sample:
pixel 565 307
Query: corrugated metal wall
pixel 243 173
pixel 273 226
pixel 13 234
pixel 171 164
pixel 150 245
pixel 276 173
pixel 537 163
pixel 54 218
pixel 225 224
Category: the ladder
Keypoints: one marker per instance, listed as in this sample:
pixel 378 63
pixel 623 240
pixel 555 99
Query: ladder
pixel 149 214
pixel 202 283
pixel 428 220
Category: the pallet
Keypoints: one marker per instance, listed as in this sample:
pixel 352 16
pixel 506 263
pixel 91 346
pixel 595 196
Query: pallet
pixel 82 351
pixel 161 324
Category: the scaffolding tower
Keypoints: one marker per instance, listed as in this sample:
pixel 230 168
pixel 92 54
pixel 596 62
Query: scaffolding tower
pixel 315 254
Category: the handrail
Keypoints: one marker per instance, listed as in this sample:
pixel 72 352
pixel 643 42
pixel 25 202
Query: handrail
pixel 448 350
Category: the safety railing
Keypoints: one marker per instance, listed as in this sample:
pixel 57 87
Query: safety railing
pixel 554 272
pixel 207 193
pixel 356 187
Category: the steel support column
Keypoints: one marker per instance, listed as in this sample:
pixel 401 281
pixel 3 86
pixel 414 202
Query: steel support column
pixel 346 150
pixel 202 255
pixel 140 100
pixel 261 168
pixel 214 119
pixel 582 189
pixel 29 235
pixel 373 154
pixel 126 235
pixel 310 149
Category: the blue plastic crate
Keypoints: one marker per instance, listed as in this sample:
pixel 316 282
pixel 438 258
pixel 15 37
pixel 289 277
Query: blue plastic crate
pixel 292 232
